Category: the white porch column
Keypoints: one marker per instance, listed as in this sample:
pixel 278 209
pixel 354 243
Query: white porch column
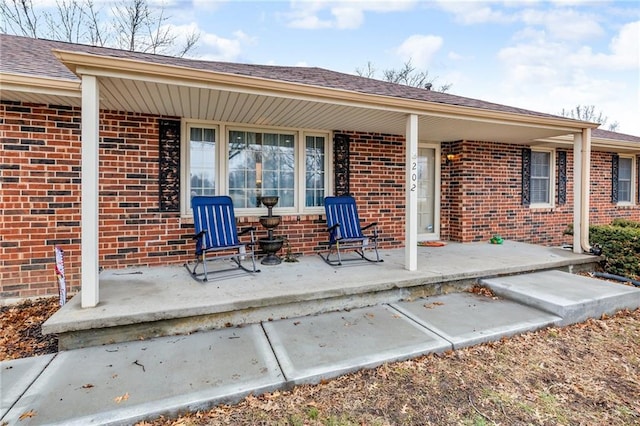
pixel 411 217
pixel 577 191
pixel 586 190
pixel 89 182
pixel 581 189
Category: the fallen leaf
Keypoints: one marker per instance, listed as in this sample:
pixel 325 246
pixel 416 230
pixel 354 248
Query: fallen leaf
pixel 87 386
pixel 124 397
pixel 29 414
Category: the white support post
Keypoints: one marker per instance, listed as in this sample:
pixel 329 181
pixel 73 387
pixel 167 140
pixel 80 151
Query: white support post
pixel 89 183
pixel 577 192
pixel 586 189
pixel 411 217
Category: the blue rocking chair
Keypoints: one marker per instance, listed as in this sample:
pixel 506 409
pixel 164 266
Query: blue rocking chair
pixel 345 233
pixel 216 232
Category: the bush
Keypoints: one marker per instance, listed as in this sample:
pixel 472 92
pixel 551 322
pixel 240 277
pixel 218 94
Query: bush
pixel 620 243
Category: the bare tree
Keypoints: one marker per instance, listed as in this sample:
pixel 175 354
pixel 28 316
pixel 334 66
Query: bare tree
pixel 589 113
pixel 407 75
pixel 135 25
pixel 19 18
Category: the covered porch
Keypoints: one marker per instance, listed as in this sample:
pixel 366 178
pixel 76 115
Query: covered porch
pixel 141 303
pixel 276 97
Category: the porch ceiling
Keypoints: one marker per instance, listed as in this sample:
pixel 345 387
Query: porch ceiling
pixel 277 110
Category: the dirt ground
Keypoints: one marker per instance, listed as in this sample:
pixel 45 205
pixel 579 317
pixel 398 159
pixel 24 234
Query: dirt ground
pixel 584 374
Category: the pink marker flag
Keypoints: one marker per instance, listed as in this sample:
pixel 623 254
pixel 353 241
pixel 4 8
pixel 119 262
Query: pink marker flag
pixel 62 285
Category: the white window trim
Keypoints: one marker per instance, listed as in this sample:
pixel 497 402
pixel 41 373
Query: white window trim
pixel 222 165
pixel 633 190
pixel 185 162
pixel 552 180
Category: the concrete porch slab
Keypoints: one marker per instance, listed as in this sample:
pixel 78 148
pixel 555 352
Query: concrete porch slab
pixel 467 319
pixel 16 376
pixel 314 348
pixel 573 297
pixel 124 383
pixel 159 301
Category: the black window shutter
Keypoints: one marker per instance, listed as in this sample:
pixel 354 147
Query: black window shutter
pixel 562 177
pixel 526 176
pixel 169 159
pixel 341 164
pixel 615 160
pixel 638 178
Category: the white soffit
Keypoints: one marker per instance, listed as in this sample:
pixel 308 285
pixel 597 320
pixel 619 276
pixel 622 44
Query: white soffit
pixel 263 110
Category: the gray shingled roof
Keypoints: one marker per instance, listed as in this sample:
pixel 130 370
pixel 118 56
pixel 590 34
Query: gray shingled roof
pixel 33 57
pixel 30 56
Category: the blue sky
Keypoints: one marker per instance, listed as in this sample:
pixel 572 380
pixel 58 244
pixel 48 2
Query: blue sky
pixel 540 55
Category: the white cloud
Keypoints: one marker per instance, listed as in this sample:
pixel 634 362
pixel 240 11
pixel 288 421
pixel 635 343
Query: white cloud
pixel 563 24
pixel 212 47
pixel 624 51
pixel 473 12
pixel 419 49
pixel 340 15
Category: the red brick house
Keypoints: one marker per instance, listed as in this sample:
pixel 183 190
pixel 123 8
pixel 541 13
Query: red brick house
pixel 102 148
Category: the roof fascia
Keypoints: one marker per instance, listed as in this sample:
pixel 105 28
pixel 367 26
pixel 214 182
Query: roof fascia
pixel 40 85
pixel 595 142
pixel 106 66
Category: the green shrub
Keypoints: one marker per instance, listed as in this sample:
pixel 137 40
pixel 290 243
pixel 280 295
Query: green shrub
pixel 620 243
pixel 625 223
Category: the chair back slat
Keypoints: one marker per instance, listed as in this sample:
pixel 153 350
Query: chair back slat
pixel 342 210
pixel 215 216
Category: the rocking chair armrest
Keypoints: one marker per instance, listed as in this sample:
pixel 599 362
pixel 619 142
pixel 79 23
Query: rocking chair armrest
pixel 333 228
pixel 199 234
pixel 246 230
pixel 370 225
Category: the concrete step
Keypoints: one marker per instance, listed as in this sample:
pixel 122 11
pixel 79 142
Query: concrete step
pixel 574 298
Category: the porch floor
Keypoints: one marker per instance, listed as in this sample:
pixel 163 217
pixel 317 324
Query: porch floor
pixel 149 302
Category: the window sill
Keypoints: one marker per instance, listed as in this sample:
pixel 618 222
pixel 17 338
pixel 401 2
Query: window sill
pixel 542 207
pixel 625 206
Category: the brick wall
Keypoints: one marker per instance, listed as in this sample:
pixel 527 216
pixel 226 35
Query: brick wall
pixel 40 205
pixel 482 196
pixel 40 177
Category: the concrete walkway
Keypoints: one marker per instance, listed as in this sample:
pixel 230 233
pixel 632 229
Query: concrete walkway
pixel 128 382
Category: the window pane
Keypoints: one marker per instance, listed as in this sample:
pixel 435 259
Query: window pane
pixel 624 179
pixel 540 177
pixel 261 164
pixel 202 160
pixel 314 171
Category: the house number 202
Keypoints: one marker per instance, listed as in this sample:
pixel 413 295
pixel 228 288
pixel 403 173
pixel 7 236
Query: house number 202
pixel 414 175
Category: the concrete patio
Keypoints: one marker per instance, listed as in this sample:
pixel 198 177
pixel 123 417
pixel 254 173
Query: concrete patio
pixel 151 302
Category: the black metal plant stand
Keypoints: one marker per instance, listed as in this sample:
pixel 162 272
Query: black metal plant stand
pixel 271 244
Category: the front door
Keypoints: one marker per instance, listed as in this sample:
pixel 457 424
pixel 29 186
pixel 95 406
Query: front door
pixel 428 192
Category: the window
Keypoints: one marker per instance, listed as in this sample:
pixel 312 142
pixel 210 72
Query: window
pixel 315 171
pixel 261 164
pixel 202 160
pixel 541 177
pixel 625 179
pixel 248 163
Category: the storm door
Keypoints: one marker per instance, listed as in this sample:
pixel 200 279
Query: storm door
pixel 428 192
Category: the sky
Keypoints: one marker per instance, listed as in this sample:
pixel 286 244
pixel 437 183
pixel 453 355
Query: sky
pixel 540 55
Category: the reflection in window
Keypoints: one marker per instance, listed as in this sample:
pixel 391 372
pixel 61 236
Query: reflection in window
pixel 202 160
pixel 540 177
pixel 261 164
pixel 315 173
pixel 624 179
